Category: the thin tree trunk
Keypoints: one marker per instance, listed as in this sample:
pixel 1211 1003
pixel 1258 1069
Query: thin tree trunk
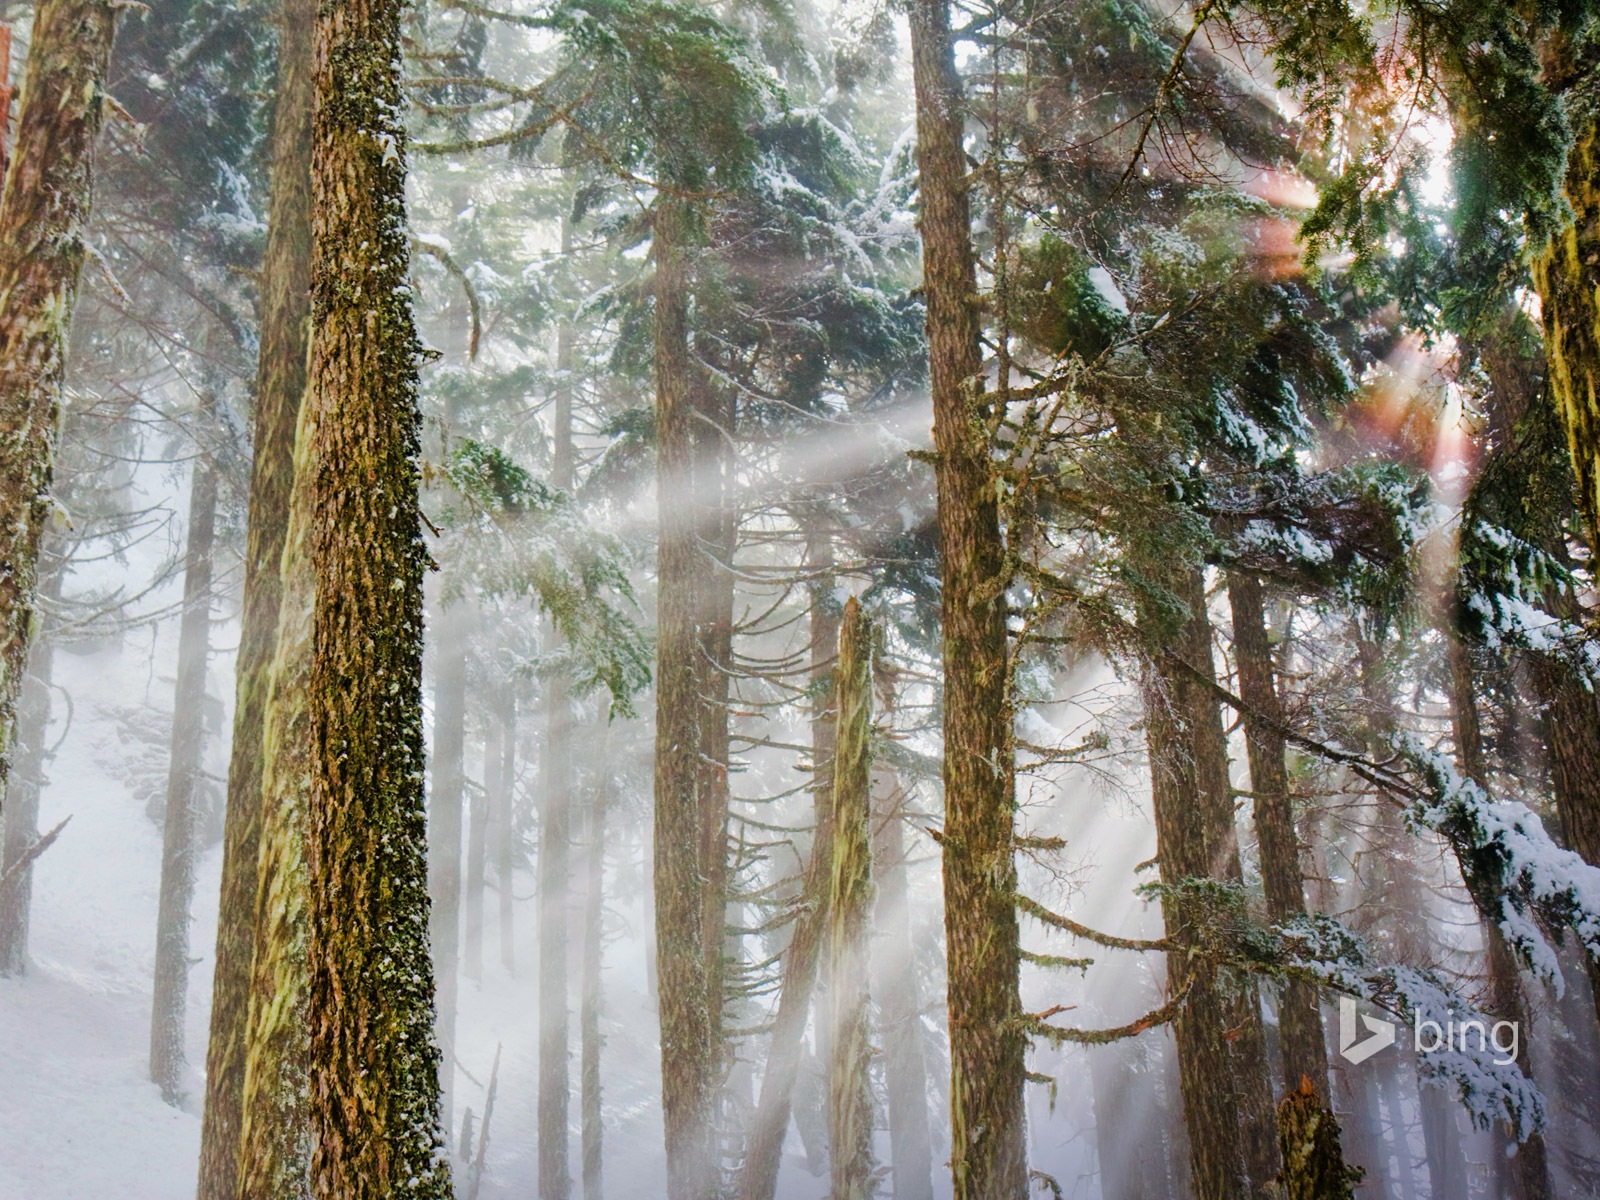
pixel 505 830
pixel 374 1063
pixel 44 212
pixel 26 784
pixel 713 503
pixel 445 805
pixel 169 998
pixel 850 899
pixel 594 834
pixel 987 1046
pixel 555 837
pixel 687 1042
pixel 5 99
pixel 758 1178
pixel 280 387
pixel 477 799
pixel 899 1010
pixel 1304 1047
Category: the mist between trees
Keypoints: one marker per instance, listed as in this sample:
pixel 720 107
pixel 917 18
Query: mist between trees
pixel 653 598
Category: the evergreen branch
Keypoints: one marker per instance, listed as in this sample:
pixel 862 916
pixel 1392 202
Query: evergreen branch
pixel 1067 925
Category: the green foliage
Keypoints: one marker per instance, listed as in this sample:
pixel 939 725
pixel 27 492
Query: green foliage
pixel 522 539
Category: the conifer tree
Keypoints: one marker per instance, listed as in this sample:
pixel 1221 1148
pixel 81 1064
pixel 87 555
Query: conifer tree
pixel 373 1089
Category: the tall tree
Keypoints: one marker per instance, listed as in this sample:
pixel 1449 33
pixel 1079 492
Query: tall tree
pixel 280 386
pixel 170 993
pixel 374 1098
pixel 44 213
pixel 987 1044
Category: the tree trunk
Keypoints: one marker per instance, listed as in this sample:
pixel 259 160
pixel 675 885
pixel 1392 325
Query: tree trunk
pixel 687 1042
pixel 987 1046
pixel 1304 1047
pixel 44 212
pixel 280 386
pixel 850 899
pixel 594 865
pixel 555 837
pixel 25 785
pixel 1567 276
pixel 1186 835
pixel 274 1141
pixel 171 989
pixel 477 805
pixel 505 830
pixel 374 1064
pixel 445 805
pixel 1571 726
pixel 5 99
pixel 758 1178
pixel 1308 1139
pixel 905 1069
pixel 1529 1169
pixel 713 503
pixel 1209 746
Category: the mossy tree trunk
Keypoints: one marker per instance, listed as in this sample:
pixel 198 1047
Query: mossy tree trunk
pixel 687 1041
pixel 850 900
pixel 374 1093
pixel 1567 276
pixel 905 1070
pixel 285 313
pixel 758 1178
pixel 26 782
pixel 1304 1047
pixel 274 1140
pixel 987 1045
pixel 44 214
pixel 1308 1139
pixel 171 985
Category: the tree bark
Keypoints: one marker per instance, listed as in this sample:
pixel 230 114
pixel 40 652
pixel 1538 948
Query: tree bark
pixel 1308 1139
pixel 25 785
pixel 1209 746
pixel 758 1178
pixel 274 1139
pixel 987 1046
pixel 899 1009
pixel 687 1041
pixel 280 387
pixel 374 1093
pixel 850 898
pixel 445 813
pixel 1304 1047
pixel 1567 276
pixel 44 213
pixel 1186 838
pixel 169 998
